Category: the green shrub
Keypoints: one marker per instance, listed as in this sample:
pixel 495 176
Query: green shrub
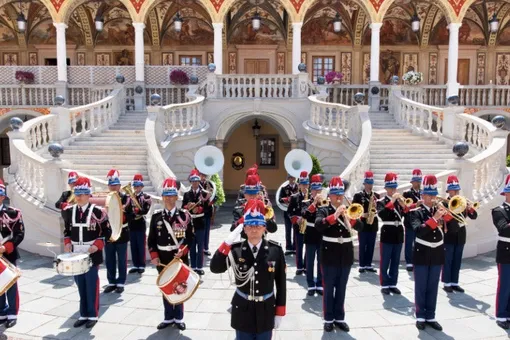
pixel 317 169
pixel 220 193
pixel 508 160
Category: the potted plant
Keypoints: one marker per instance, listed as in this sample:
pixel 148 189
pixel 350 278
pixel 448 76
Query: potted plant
pixel 24 77
pixel 413 78
pixel 316 168
pixel 179 77
pixel 334 77
pixel 220 195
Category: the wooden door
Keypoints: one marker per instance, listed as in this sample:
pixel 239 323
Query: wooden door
pixel 462 71
pixel 256 66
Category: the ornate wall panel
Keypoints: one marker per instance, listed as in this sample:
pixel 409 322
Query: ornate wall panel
pixel 280 63
pixel 503 69
pixel 232 63
pixel 346 67
pixel 433 68
pixel 366 68
pixel 410 62
pixel 480 68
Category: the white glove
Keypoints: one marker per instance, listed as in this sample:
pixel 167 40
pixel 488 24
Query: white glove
pixel 277 321
pixel 234 235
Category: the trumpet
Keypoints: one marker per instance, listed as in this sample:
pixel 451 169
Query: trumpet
pixel 354 211
pixel 71 199
pixel 474 205
pixel 128 189
pixel 407 201
pixel 456 206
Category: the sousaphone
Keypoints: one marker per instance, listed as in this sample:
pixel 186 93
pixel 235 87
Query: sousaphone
pixel 209 160
pixel 296 161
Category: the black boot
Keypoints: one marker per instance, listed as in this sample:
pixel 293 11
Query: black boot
pixel 80 323
pixel 328 327
pixel 435 325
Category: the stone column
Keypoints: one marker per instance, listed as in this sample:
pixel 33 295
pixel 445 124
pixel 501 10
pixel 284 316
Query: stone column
pixel 375 99
pixel 218 47
pixel 139 65
pixel 296 46
pixel 61 51
pixel 453 58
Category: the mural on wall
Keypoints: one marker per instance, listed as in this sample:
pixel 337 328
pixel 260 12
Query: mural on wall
pixel 80 59
pixel 7 36
pixel 366 68
pixel 268 34
pixel 210 58
pixel 433 68
pixel 410 62
pixel 232 63
pixel 394 32
pixel 346 67
pixel 503 69
pixel 147 59
pixel 303 57
pixel 119 32
pixel 33 60
pixel 167 58
pixel 469 34
pixel 504 36
pixel 194 32
pixel 319 31
pixel 480 68
pixel 46 33
pixel 10 59
pixel 103 59
pixel 124 58
pixel 280 63
pixel 390 66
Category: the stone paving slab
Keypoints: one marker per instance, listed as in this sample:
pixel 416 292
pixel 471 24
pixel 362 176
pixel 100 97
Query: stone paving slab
pixel 49 305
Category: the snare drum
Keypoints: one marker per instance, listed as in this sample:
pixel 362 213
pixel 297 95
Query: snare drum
pixel 178 282
pixel 71 264
pixel 9 274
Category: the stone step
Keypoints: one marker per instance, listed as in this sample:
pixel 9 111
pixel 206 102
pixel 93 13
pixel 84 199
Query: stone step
pixel 400 157
pixel 424 148
pixel 113 144
pixel 116 161
pixel 126 174
pixel 384 162
pixel 127 128
pixel 118 139
pixel 104 153
pixel 130 121
pixel 124 132
pixel 403 174
pixel 119 149
pixel 406 138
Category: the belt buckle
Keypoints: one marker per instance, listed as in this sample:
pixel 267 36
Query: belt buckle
pixel 259 298
pixel 340 240
pixel 250 297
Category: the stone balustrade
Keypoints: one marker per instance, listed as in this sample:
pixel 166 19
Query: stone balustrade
pixel 36 95
pixel 327 117
pixel 183 118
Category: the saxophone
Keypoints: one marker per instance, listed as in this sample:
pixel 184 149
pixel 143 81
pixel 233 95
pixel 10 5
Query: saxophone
pixel 371 210
pixel 302 224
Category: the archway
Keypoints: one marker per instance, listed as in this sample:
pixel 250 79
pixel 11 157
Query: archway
pixel 267 150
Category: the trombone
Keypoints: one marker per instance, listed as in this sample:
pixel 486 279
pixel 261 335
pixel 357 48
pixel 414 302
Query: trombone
pixel 456 206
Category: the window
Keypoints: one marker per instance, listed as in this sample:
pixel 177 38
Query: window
pixel 267 151
pixel 190 60
pixel 321 66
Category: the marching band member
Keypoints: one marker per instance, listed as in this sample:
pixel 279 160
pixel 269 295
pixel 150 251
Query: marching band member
pixel 501 220
pixel 116 251
pixel 208 211
pixel 312 237
pixel 294 213
pixel 428 256
pixel 415 195
pixel 194 201
pixel 337 254
pixel 62 201
pixel 390 209
pixel 285 194
pixel 86 229
pixel 12 232
pixel 368 232
pixel 138 226
pixel 454 239
pixel 170 234
pixel 252 190
pixel 258 265
pixel 254 170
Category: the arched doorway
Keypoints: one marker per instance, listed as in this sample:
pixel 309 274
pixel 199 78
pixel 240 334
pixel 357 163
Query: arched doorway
pixel 267 150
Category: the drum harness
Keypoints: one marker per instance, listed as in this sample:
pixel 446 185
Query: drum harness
pixel 82 225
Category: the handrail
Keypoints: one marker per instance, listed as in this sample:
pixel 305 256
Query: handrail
pixel 327 117
pixel 184 117
pixel 361 160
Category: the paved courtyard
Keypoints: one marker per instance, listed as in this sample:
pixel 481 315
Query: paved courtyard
pixel 49 305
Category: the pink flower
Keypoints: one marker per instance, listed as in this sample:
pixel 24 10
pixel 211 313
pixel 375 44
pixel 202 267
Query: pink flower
pixel 333 76
pixel 179 77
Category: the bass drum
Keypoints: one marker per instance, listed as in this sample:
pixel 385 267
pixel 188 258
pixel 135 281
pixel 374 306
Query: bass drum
pixel 178 282
pixel 113 205
pixel 282 206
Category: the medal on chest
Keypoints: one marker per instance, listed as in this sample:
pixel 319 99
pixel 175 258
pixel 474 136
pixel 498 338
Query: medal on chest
pixel 271 266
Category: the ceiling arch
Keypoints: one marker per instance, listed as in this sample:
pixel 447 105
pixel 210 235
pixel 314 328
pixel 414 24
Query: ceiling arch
pixel 228 4
pixel 68 8
pixel 310 4
pixel 51 9
pixel 444 5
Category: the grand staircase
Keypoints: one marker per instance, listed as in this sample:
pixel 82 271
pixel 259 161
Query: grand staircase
pixel 394 149
pixel 122 147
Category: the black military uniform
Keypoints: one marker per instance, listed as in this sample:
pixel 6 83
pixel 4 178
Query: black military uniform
pixel 454 240
pixel 137 231
pixel 285 194
pixel 63 199
pixel 501 220
pixel 170 231
pixel 337 256
pixel 254 311
pixel 82 235
pixel 410 235
pixel 198 220
pixel 238 213
pixel 116 251
pixel 367 233
pixel 392 238
pixel 294 212
pixel 313 240
pixel 428 258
